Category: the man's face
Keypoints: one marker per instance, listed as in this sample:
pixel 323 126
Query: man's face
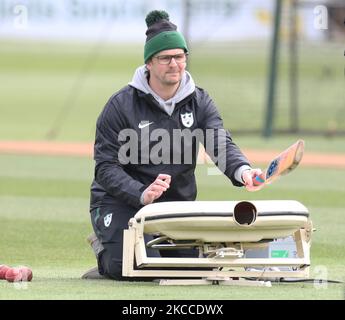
pixel 167 74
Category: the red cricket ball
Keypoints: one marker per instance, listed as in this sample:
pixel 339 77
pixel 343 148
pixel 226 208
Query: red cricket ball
pixel 18 274
pixel 13 275
pixel 3 270
pixel 26 273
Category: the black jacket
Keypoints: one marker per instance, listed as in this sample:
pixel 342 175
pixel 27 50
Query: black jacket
pixel 121 184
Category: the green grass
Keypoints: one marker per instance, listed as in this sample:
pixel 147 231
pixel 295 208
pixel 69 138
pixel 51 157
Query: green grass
pixel 44 221
pixel 318 144
pixel 44 201
pixel 41 81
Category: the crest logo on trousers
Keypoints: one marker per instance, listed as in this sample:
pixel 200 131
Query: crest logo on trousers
pixel 107 220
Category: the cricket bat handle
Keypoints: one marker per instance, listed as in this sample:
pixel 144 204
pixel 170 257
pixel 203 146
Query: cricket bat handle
pixel 282 164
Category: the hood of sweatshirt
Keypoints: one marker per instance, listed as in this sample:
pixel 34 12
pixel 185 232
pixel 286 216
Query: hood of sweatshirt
pixel 187 87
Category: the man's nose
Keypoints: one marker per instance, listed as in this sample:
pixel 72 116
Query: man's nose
pixel 173 62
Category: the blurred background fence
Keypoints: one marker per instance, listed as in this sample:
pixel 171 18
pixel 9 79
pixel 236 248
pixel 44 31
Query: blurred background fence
pixel 61 60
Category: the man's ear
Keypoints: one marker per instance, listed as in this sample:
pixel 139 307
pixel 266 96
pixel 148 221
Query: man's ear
pixel 149 64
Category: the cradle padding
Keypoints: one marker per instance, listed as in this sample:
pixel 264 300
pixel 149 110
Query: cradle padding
pixel 213 221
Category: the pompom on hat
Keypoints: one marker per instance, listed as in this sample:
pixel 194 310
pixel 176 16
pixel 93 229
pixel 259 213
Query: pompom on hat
pixel 161 34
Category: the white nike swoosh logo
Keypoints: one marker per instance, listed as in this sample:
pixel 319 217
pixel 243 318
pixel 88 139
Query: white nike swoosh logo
pixel 143 125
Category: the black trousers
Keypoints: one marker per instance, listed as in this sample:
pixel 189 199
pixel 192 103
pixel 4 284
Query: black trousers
pixel 109 225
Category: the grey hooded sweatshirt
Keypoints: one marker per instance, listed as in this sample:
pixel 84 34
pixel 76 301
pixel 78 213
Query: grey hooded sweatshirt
pixel 187 87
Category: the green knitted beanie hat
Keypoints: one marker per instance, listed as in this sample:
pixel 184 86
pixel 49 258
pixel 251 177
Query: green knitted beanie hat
pixel 161 34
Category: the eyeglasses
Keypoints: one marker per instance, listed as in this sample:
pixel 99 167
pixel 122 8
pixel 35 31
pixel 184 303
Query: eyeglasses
pixel 166 59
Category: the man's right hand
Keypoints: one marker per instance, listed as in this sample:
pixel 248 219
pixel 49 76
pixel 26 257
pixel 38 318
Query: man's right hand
pixel 156 188
pixel 250 182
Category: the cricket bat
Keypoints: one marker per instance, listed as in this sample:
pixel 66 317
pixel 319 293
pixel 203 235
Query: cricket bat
pixel 284 163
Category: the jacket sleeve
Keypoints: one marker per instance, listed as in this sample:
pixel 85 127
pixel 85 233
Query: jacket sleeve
pixel 218 142
pixel 109 172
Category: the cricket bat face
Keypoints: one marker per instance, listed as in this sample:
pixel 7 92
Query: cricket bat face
pixel 285 162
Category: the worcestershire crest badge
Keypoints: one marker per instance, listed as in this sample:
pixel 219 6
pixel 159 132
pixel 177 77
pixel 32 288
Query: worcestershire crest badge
pixel 107 219
pixel 187 119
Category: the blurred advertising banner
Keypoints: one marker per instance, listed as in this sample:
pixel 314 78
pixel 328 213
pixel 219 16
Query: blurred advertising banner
pixel 124 20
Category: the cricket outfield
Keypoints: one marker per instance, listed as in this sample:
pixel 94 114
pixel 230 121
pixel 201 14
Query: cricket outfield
pixel 44 199
pixel 45 220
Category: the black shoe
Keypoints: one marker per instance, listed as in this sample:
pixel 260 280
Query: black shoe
pixel 93 274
